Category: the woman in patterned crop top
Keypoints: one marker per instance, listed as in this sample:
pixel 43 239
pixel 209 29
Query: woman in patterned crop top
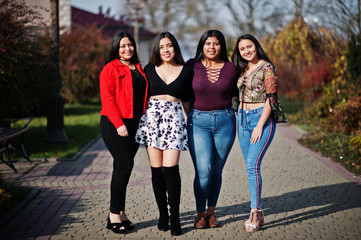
pixel 162 128
pixel 257 84
pixel 211 122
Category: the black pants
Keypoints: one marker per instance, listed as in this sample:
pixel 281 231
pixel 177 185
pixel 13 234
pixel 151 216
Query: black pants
pixel 123 150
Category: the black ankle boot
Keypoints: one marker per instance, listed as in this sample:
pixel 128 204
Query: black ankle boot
pixel 160 193
pixel 173 184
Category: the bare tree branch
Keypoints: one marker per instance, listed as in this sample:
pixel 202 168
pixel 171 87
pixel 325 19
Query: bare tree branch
pixel 254 16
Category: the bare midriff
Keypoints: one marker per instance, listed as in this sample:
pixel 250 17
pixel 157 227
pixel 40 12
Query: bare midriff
pixel 251 106
pixel 165 97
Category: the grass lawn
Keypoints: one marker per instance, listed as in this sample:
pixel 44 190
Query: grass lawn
pixel 81 125
pixel 335 146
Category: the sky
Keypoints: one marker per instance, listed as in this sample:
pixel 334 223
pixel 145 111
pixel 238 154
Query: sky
pixel 93 5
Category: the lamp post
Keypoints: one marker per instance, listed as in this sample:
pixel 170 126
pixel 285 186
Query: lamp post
pixel 55 109
pixel 135 9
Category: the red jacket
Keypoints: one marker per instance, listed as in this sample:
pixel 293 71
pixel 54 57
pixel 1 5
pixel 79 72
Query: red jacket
pixel 116 91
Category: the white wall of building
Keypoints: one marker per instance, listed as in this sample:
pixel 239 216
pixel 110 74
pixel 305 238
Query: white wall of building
pixel 64 12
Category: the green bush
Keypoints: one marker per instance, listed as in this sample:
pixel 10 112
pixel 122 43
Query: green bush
pixel 353 57
pixel 5 197
pixel 335 112
pixel 5 200
pixel 346 116
pixel 291 105
pixel 11 194
pixel 355 143
pixel 24 61
pixel 82 57
pixel 336 108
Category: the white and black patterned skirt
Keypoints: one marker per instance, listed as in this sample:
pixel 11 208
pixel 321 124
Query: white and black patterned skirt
pixel 163 126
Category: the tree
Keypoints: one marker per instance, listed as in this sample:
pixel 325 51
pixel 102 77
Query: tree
pixel 186 19
pixel 304 8
pixel 256 17
pixel 342 16
pixel 82 56
pixel 24 61
pixel 303 55
pixel 345 16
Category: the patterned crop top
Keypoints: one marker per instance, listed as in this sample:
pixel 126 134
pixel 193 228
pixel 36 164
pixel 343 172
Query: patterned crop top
pixel 258 85
pixel 180 88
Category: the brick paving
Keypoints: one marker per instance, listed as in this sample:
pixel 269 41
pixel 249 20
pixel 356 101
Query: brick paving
pixel 305 196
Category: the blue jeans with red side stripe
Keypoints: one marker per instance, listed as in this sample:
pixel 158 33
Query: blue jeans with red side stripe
pixel 254 153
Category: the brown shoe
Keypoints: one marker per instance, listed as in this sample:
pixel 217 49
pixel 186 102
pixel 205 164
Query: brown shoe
pixel 212 221
pixel 200 223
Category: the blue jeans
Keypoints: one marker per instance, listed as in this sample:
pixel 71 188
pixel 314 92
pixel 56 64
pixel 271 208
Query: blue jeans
pixel 254 153
pixel 211 136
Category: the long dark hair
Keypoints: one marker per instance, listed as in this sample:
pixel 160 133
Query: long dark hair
pixel 155 58
pixel 239 61
pixel 114 48
pixel 211 33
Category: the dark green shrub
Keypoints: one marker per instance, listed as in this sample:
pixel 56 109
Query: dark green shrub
pixel 5 197
pixel 336 107
pixel 82 56
pixel 346 117
pixel 11 194
pixel 355 143
pixel 24 61
pixel 353 57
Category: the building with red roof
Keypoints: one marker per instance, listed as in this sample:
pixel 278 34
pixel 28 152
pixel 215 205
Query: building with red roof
pixel 109 24
pixel 71 17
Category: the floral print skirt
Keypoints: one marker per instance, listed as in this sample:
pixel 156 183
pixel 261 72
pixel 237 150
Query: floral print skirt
pixel 163 126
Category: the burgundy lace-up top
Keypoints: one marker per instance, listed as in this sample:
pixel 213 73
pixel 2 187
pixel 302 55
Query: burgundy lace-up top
pixel 213 88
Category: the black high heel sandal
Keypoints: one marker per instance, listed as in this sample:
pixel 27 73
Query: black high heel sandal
pixel 115 227
pixel 128 225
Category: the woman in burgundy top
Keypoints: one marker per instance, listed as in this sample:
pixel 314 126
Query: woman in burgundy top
pixel 123 91
pixel 211 123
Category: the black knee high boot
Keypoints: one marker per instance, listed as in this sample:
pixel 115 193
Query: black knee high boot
pixel 173 183
pixel 160 190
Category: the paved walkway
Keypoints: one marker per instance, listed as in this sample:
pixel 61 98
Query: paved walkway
pixel 304 197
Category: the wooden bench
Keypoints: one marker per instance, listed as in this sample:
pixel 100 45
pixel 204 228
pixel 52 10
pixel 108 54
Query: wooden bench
pixel 9 132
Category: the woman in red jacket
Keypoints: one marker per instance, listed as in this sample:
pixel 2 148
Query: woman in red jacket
pixel 123 91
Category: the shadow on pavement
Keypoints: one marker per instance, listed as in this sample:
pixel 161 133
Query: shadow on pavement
pixel 301 205
pixel 293 207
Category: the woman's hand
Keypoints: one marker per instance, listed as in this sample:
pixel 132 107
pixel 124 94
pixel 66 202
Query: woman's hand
pixel 256 134
pixel 122 131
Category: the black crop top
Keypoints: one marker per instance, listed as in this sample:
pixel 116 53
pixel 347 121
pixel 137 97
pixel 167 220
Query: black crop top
pixel 180 88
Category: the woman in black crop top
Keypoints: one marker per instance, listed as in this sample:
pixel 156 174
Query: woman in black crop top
pixel 162 129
